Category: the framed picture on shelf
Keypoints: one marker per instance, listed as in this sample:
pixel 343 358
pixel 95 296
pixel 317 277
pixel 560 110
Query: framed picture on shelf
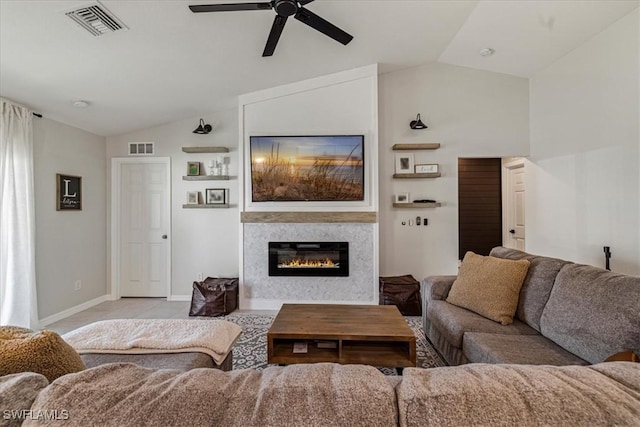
pixel 193 168
pixel 401 198
pixel 427 168
pixel 216 196
pixel 404 163
pixel 192 197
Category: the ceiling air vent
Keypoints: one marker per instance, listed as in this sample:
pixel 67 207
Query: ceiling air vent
pixel 96 19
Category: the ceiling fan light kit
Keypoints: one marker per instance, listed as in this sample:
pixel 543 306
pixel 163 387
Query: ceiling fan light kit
pixel 283 9
pixel 417 123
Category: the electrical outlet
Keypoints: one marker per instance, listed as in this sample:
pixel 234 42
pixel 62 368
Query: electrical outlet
pixel 78 285
pixel 200 277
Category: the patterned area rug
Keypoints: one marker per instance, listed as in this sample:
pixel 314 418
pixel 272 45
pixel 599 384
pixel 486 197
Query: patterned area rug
pixel 251 349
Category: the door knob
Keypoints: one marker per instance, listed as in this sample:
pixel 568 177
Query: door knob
pixel 164 236
pixel 512 231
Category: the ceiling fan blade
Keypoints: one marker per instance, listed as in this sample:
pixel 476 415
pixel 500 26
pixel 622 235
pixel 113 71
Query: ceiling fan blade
pixel 303 2
pixel 274 35
pixel 229 7
pixel 325 27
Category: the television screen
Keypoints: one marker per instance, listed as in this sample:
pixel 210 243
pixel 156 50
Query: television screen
pixel 307 168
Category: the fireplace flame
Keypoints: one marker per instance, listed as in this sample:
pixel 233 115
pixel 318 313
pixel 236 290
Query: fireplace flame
pixel 300 263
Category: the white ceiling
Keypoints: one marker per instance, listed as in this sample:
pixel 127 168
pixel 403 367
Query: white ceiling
pixel 172 64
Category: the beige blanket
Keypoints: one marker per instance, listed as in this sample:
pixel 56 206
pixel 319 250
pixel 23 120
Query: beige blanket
pixel 139 336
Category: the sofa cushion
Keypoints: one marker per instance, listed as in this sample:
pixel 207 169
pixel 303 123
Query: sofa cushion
pixel 17 393
pixel 520 395
pixel 437 287
pixel 620 372
pixel 451 354
pixel 453 322
pixel 537 284
pixel 593 313
pixel 322 394
pixel 489 286
pixel 481 347
pixel 43 352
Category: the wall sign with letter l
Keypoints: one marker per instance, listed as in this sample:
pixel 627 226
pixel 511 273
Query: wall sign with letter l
pixel 68 193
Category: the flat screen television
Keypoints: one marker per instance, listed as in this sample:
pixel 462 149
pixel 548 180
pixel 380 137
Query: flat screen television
pixel 316 168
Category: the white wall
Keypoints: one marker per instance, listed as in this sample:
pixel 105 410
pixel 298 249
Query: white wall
pixel 70 245
pixel 583 181
pixel 202 240
pixel 339 103
pixel 471 113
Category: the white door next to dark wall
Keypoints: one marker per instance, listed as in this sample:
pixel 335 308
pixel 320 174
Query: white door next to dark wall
pixel 143 228
pixel 515 204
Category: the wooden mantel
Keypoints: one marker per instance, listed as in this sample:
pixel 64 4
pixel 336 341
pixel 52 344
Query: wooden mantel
pixel 309 217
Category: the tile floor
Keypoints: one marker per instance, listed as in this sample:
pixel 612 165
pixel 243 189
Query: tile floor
pixel 128 308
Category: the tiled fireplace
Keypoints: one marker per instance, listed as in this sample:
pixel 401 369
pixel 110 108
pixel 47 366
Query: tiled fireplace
pixel 352 281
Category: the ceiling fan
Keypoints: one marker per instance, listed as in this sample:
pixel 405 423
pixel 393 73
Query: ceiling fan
pixel 284 9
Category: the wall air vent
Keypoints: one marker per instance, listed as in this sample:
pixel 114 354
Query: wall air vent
pixel 141 148
pixel 96 19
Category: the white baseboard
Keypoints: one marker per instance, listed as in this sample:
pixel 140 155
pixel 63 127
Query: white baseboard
pixel 179 298
pixel 273 304
pixel 73 310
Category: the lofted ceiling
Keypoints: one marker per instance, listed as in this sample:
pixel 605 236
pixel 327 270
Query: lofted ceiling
pixel 172 64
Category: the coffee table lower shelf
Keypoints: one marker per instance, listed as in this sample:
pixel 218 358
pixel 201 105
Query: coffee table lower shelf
pixel 397 354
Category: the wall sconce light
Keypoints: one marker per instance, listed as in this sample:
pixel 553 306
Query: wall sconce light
pixel 203 129
pixel 417 123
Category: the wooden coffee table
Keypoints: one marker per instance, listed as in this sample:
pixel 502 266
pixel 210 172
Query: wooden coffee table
pixel 374 335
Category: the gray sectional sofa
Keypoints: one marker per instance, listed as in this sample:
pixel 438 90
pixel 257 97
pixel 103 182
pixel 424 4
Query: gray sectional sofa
pixel 568 314
pixel 326 394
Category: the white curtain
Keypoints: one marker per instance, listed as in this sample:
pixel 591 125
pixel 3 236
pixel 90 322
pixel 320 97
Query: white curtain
pixel 18 304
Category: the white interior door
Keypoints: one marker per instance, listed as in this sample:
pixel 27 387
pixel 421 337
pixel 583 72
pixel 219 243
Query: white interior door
pixel 144 229
pixel 514 207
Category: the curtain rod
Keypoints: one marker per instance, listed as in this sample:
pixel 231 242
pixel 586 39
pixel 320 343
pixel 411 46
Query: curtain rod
pixel 38 115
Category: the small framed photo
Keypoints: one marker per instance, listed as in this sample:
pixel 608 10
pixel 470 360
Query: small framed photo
pixel 401 198
pixel 193 168
pixel 404 163
pixel 435 168
pixel 192 197
pixel 216 196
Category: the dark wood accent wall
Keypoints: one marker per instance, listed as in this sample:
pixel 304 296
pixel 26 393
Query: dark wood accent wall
pixel 479 205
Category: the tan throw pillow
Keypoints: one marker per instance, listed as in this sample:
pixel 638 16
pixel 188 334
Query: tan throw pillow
pixel 489 286
pixel 43 352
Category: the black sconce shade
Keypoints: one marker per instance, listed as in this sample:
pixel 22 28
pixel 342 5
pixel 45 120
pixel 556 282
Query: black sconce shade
pixel 417 123
pixel 202 128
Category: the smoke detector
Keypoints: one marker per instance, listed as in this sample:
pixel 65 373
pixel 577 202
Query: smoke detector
pixel 80 104
pixel 96 19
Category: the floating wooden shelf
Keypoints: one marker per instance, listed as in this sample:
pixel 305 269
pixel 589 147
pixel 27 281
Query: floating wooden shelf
pixel 424 146
pixel 417 205
pixel 206 177
pixel 205 149
pixel 308 217
pixel 416 175
pixel 203 206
